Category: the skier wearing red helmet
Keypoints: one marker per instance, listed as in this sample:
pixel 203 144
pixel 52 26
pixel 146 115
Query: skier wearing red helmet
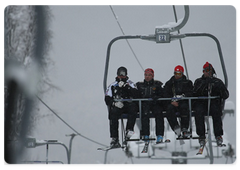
pixel 179 69
pixel 209 85
pixel 177 87
pixel 151 88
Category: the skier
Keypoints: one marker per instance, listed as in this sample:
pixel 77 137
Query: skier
pixel 209 84
pixel 151 88
pixel 177 87
pixel 122 88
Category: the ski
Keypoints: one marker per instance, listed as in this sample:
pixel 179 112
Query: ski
pixel 221 145
pixel 202 146
pixel 145 148
pixel 186 136
pixel 200 151
pixel 166 141
pixel 108 148
pixel 183 138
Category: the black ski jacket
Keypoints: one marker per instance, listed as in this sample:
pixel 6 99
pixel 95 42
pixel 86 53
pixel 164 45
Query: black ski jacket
pixel 218 88
pixel 180 86
pixel 152 89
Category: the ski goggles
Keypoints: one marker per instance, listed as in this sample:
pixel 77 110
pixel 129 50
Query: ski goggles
pixel 207 69
pixel 122 73
pixel 177 73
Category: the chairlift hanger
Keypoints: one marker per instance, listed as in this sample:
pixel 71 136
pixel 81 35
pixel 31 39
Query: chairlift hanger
pixel 163 35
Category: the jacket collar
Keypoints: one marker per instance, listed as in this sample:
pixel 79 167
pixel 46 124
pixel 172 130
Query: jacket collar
pixel 149 82
pixel 182 78
pixel 125 80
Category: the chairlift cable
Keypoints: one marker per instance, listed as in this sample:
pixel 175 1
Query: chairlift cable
pixel 115 16
pixel 67 123
pixel 180 41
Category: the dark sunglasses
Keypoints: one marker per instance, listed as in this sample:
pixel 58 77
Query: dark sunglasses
pixel 178 74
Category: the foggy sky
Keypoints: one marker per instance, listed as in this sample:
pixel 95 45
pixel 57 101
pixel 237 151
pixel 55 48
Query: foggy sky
pixel 80 38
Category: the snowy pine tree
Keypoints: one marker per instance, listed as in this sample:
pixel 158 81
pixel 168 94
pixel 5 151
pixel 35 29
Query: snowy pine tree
pixel 27 42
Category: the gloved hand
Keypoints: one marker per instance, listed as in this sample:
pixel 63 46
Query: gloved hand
pixel 122 84
pixel 174 100
pixel 119 104
pixel 180 96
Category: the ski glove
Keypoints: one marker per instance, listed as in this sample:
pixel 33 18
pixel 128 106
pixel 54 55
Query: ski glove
pixel 122 84
pixel 180 96
pixel 177 97
pixel 119 104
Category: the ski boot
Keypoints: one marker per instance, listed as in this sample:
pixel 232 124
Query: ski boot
pixel 177 131
pixel 202 141
pixel 159 139
pixel 219 140
pixel 145 139
pixel 128 135
pixel 115 143
pixel 185 133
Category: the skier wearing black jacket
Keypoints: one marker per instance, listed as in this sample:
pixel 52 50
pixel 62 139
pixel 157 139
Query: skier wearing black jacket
pixel 151 88
pixel 122 88
pixel 177 87
pixel 205 86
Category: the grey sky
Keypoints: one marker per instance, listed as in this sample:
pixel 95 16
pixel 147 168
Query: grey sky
pixel 80 38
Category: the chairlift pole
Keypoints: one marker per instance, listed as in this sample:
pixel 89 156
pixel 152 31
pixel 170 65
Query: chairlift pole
pixel 184 21
pixel 70 146
pixel 180 40
pixel 208 125
pixel 47 153
pixel 190 115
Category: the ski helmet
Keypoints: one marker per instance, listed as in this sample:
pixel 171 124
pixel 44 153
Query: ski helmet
pixel 208 67
pixel 122 71
pixel 179 69
pixel 150 71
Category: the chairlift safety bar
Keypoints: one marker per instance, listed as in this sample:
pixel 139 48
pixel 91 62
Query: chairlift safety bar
pixel 175 98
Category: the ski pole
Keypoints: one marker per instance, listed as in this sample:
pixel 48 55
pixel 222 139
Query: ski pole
pixel 208 125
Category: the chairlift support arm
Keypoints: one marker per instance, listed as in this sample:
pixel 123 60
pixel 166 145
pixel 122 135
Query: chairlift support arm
pixel 161 36
pixel 108 56
pixel 184 21
pixel 172 37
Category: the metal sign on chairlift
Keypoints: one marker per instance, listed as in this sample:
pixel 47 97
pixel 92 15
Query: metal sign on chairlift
pixel 162 35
